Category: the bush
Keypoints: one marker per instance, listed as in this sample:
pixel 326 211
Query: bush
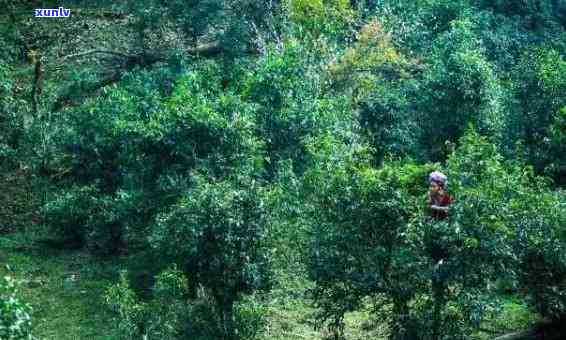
pixel 377 76
pixel 371 237
pixel 288 91
pixel 11 122
pixel 460 87
pixel 357 214
pixel 540 247
pixel 217 233
pixel 318 17
pixel 541 95
pixel 67 214
pixel 127 156
pixel 171 313
pixel 557 148
pixel 15 319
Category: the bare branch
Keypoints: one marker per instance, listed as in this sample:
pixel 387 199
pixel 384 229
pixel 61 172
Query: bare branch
pixel 128 63
pixel 82 54
pixel 207 50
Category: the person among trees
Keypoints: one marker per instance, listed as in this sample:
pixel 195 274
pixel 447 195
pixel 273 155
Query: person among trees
pixel 439 200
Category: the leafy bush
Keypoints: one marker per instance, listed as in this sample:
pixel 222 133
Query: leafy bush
pixel 122 159
pixel 10 121
pixel 540 247
pixel 357 219
pixel 171 313
pixel 557 148
pixel 540 94
pixel 68 212
pixel 371 236
pixel 322 17
pixel 378 79
pixel 288 88
pixel 15 319
pixel 216 233
pixel 460 87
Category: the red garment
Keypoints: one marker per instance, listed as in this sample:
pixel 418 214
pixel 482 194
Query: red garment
pixel 441 200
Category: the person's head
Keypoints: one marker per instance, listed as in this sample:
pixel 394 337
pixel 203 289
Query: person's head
pixel 437 181
pixel 435 187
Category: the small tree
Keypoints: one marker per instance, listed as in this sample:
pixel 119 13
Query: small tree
pixel 216 233
pixel 540 95
pixel 359 246
pixel 538 221
pixel 127 156
pixel 460 87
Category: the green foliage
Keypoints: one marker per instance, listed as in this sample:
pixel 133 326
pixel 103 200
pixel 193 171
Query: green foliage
pixel 259 136
pixel 124 302
pixel 289 88
pixel 216 233
pixel 10 122
pixel 371 237
pixel 357 214
pixel 170 315
pixel 129 154
pixel 322 17
pixel 535 13
pixel 238 26
pixel 67 213
pixel 557 147
pixel 540 95
pixel 15 319
pixel 460 88
pixel 417 23
pixel 381 83
pixel 539 220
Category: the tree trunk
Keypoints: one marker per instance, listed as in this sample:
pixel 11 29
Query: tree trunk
pixel 225 308
pixel 438 294
pixel 228 327
pixel 403 329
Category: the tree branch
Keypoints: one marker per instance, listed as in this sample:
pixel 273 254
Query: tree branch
pixel 65 98
pixel 207 50
pixel 82 54
pixel 129 62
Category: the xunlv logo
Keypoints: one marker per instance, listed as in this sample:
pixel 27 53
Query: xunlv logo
pixel 53 13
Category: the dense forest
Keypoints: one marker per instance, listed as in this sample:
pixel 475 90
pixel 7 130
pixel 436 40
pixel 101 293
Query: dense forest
pixel 261 169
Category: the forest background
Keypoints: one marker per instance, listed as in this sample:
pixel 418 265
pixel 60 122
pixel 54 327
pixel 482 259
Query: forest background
pixel 240 169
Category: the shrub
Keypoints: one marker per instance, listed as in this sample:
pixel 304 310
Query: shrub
pixel 371 237
pixel 67 214
pixel 288 90
pixel 540 247
pixel 216 233
pixel 128 155
pixel 540 78
pixel 15 319
pixel 460 87
pixel 322 17
pixel 172 313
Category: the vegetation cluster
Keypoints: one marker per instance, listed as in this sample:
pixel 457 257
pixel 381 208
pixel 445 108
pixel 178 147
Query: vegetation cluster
pixel 264 151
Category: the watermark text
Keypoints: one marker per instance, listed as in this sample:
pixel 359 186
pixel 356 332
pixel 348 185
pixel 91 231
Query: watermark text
pixel 52 13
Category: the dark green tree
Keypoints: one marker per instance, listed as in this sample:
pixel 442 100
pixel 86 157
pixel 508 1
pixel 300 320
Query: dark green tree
pixel 216 232
pixel 460 87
